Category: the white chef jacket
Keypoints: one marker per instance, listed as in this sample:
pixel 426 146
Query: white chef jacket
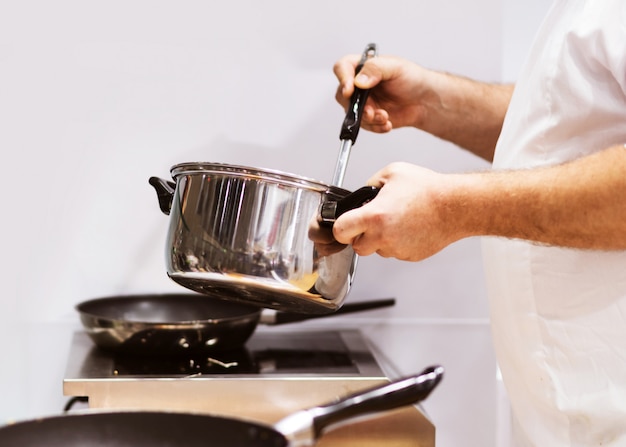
pixel 559 315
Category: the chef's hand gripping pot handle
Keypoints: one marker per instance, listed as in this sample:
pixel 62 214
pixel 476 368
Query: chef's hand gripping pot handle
pixel 332 209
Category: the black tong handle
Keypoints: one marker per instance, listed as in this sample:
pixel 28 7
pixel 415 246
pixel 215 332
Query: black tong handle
pixel 352 121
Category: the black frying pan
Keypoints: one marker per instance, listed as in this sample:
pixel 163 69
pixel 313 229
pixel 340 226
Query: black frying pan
pixel 171 324
pixel 162 429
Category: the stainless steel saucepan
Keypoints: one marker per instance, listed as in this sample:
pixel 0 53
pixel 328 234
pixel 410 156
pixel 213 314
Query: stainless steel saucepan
pixel 242 233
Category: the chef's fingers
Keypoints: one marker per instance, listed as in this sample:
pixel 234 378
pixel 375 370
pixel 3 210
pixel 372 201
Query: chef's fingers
pixel 344 71
pixel 323 239
pixel 375 120
pixel 373 72
pixel 370 75
pixel 329 249
pixel 379 179
pixel 377 70
pixel 349 229
pixel 374 116
pixel 350 226
pixel 320 235
pixel 357 227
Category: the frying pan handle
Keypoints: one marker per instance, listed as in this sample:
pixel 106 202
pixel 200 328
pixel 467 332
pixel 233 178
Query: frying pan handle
pixel 304 427
pixel 286 317
pixel 352 121
pixel 331 210
pixel 397 394
pixel 165 193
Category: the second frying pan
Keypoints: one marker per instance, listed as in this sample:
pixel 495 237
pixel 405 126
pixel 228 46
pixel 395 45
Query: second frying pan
pixel 167 429
pixel 177 324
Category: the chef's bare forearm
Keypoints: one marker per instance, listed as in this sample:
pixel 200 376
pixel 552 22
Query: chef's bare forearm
pixel 579 204
pixel 466 112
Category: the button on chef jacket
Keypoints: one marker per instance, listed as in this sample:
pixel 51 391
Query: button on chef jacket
pixel 559 315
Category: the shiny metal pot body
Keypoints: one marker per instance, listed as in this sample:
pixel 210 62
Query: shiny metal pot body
pixel 241 233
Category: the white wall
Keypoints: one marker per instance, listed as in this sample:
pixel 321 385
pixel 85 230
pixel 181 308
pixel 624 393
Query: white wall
pixel 520 20
pixel 95 97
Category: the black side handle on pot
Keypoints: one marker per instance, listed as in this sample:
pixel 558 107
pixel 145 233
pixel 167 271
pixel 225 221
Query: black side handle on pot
pixel 165 193
pixel 332 209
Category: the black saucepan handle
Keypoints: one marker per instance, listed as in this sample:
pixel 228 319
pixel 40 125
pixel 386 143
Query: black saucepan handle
pixel 397 394
pixel 165 193
pixel 331 210
pixel 352 122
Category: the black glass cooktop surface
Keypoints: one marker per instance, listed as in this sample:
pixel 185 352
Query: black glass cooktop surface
pixel 266 353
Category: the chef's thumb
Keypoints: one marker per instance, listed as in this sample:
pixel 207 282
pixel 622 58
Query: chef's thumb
pixel 373 72
pixel 363 81
pixel 349 226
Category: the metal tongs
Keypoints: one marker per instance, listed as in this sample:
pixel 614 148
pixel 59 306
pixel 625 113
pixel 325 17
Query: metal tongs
pixel 352 122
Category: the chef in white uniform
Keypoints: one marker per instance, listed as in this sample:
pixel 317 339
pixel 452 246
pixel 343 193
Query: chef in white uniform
pixel 553 211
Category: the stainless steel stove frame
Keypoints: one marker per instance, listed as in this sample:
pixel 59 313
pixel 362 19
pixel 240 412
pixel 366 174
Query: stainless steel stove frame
pixel 266 395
